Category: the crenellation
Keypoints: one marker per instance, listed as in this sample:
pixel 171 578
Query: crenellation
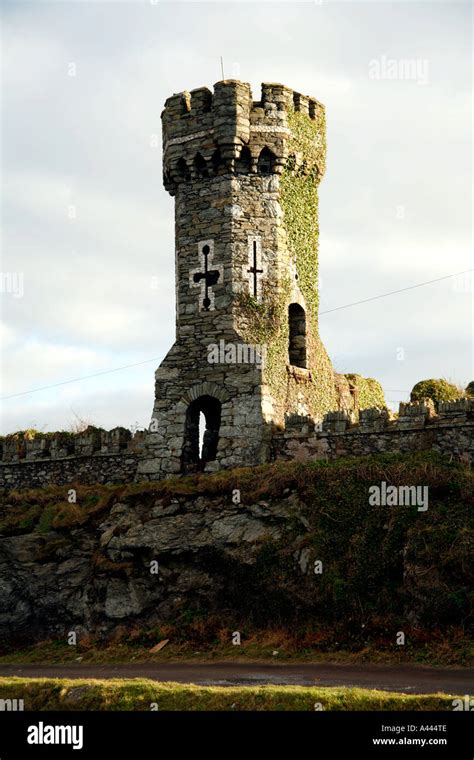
pixel 276 94
pixel 89 442
pixel 301 103
pixel 201 101
pixel 37 448
pixel 219 125
pixel 336 422
pixel 374 419
pixel 415 413
pixel 176 106
pixel 115 440
pixel 411 409
pixel 65 458
pixel 377 433
pixel 412 416
pixel 245 175
pixel 11 450
pixel 22 447
pixel 462 407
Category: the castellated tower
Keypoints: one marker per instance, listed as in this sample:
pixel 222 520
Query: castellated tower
pixel 247 355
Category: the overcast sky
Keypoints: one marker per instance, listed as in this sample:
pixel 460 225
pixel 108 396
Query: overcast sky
pixel 88 229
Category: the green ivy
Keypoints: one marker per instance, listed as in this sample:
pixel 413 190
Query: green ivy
pixel 267 322
pixel 299 199
pixel 370 392
pixel 437 390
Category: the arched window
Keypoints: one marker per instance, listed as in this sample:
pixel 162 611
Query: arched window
pixel 297 335
pixel 217 162
pixel 266 161
pixel 242 165
pixel 200 166
pixel 182 170
pixel 201 433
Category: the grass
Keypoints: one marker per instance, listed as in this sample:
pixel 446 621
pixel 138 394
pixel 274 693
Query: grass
pixel 46 508
pixel 139 694
pixel 444 651
pixel 381 567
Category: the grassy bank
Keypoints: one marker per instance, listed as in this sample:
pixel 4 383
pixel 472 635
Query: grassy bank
pixel 42 509
pixel 454 649
pixel 144 694
pixel 385 570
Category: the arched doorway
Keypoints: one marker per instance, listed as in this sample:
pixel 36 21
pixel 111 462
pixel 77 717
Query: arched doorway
pixel 200 446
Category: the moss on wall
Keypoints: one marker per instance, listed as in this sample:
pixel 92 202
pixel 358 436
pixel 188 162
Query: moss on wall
pixel 317 392
pixel 299 200
pixel 266 323
pixel 369 391
pixel 312 393
pixel 437 390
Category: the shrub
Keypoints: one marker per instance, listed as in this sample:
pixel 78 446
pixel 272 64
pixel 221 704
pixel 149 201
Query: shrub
pixel 437 390
pixel 470 389
pixel 370 392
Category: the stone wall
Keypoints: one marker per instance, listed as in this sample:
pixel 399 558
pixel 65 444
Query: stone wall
pixel 417 428
pixel 98 468
pixel 118 457
pixel 95 456
pixel 245 177
pixel 223 155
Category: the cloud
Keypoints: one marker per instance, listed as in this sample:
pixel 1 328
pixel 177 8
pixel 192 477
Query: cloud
pixel 87 222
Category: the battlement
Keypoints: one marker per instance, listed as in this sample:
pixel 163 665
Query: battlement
pixel 93 441
pixel 411 416
pixel 449 431
pixel 96 441
pixel 101 456
pixel 207 134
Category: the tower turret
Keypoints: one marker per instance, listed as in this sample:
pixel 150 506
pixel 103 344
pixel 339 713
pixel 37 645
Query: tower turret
pixel 245 178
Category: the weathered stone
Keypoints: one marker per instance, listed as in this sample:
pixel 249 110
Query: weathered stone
pixel 222 162
pixel 101 578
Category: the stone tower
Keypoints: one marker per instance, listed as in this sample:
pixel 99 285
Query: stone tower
pixel 247 355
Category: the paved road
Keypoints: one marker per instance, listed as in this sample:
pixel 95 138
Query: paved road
pixel 405 678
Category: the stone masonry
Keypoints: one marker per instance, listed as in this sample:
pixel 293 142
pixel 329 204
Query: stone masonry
pixel 223 156
pixel 114 457
pixel 248 379
pixel 449 431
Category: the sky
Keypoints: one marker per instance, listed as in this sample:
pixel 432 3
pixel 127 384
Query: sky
pixel 87 281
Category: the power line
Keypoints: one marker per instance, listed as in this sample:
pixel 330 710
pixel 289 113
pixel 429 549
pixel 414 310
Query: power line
pixel 77 379
pixel 147 361
pixel 393 292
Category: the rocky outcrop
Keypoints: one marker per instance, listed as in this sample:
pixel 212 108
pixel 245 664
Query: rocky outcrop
pixel 303 545
pixel 94 577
